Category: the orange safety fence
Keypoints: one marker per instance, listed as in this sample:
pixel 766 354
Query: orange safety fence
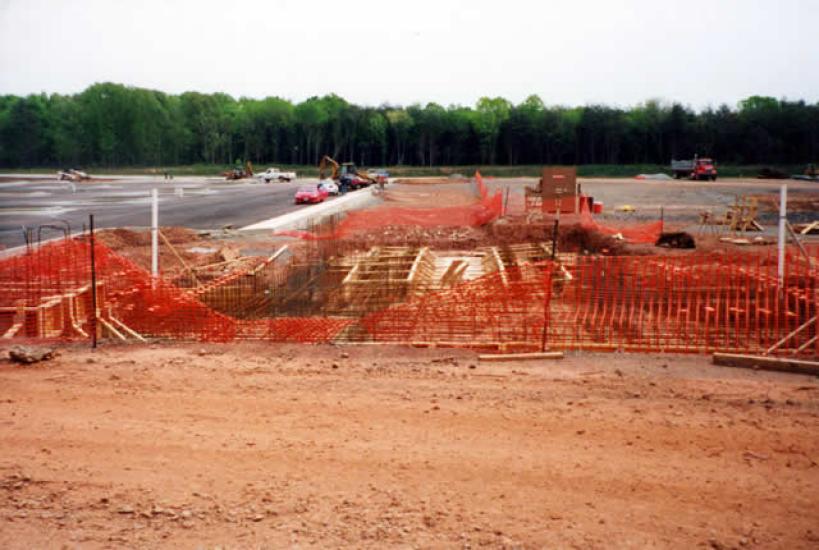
pixel 508 307
pixel 579 214
pixel 45 294
pixel 639 233
pixel 696 303
pixel 483 211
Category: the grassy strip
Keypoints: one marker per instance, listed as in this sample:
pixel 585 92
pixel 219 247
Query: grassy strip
pixel 588 170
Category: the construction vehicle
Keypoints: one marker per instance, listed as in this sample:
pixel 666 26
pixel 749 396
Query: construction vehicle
pixel 239 173
pixel 72 175
pixel 696 169
pixel 347 174
pixel 810 174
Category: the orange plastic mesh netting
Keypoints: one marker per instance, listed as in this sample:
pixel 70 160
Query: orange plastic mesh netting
pixel 485 210
pixel 47 293
pixel 639 233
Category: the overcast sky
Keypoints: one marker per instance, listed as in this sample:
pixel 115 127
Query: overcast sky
pixel 570 52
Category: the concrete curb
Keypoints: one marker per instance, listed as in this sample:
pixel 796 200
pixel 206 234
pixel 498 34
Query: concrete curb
pixel 291 220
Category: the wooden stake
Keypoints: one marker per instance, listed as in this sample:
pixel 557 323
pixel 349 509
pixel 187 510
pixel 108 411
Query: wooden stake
pixel 521 356
pixel 767 363
pixel 178 257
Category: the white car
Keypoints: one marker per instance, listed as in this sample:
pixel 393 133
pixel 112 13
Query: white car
pixel 274 174
pixel 330 186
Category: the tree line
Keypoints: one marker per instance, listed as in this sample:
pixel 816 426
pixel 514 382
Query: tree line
pixel 114 125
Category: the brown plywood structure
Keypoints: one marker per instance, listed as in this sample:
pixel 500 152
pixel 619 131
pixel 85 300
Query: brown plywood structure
pixel 556 190
pixel 559 182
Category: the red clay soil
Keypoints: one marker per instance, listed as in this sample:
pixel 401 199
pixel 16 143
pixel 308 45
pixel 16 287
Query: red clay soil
pixel 431 196
pixel 431 180
pixel 268 445
pixel 136 246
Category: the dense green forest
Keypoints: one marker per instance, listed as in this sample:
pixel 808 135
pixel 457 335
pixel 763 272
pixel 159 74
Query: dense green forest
pixel 115 125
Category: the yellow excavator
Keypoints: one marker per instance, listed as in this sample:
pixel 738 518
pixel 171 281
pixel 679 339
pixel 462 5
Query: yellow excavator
pixel 239 173
pixel 346 173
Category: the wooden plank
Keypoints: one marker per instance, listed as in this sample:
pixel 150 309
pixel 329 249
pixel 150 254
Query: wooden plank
pixel 178 257
pixel 501 266
pixel 416 263
pixel 127 329
pixel 13 330
pixel 111 329
pixel 799 244
pixel 798 366
pixel 793 333
pixel 809 227
pixel 521 356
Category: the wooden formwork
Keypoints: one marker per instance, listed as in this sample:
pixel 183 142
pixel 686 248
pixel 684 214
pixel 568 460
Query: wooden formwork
pixel 242 293
pixel 56 314
pixel 383 276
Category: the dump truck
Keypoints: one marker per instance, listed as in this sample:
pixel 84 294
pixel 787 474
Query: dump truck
pixel 699 168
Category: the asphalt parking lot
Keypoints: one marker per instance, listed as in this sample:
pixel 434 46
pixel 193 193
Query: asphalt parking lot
pixel 199 203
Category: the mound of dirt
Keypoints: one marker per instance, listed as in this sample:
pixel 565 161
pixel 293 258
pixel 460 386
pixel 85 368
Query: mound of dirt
pixel 193 249
pixel 435 237
pixel 119 239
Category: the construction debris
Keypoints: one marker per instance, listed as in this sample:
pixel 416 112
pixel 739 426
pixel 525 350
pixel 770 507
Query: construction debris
pixel 679 239
pixel 811 228
pixel 521 356
pixel 739 218
pixel 72 175
pixel 27 355
pixel 782 364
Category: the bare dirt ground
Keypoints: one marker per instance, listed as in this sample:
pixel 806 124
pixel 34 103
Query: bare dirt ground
pixel 682 201
pixel 269 446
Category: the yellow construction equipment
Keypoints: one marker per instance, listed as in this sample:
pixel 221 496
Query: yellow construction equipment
pixel 327 161
pixel 239 173
pixel 346 173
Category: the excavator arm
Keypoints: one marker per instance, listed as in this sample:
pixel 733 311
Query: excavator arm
pixel 327 161
pixel 366 176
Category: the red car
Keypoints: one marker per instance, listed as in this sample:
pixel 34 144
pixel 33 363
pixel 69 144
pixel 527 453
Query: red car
pixel 311 194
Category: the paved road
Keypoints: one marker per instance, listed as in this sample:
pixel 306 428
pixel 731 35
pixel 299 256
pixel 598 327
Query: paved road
pixel 201 203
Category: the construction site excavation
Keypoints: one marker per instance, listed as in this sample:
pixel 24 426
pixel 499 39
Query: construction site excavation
pixel 429 362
